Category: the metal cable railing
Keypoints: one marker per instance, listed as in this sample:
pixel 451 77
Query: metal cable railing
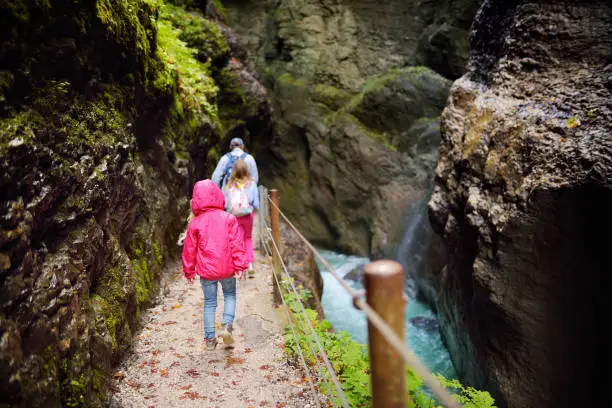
pixel 391 337
pixel 295 337
pixel 330 370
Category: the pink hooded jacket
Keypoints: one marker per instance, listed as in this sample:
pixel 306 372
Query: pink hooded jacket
pixel 214 247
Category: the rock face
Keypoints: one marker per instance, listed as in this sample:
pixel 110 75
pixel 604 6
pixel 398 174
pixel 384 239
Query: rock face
pixel 96 162
pixel 522 199
pixel 302 266
pixel 356 110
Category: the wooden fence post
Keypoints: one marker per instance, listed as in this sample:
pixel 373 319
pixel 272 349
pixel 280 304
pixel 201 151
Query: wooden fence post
pixel 261 220
pixel 275 225
pixel 384 284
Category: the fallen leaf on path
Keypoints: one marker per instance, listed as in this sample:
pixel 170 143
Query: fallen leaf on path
pixel 213 361
pixel 168 323
pixel 234 382
pixel 192 373
pixel 150 385
pixel 156 352
pixel 163 372
pixel 119 375
pixel 180 355
pixel 186 387
pixel 231 360
pixel 214 373
pixel 132 383
pixel 263 403
pixel 192 395
pixel 281 405
pixel 265 367
pixel 153 370
pixel 176 306
pixel 248 350
pixel 175 364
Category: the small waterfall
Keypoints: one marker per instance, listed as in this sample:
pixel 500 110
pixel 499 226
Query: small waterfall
pixel 420 251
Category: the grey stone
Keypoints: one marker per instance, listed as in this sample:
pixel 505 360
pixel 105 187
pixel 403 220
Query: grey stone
pixel 522 195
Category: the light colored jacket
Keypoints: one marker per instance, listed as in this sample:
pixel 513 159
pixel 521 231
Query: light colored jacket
pixel 219 172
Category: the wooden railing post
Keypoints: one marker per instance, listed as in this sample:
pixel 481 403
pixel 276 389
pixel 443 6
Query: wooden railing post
pixel 262 220
pixel 384 284
pixel 275 225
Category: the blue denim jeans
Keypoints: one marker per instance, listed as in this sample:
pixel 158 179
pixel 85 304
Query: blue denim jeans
pixel 210 303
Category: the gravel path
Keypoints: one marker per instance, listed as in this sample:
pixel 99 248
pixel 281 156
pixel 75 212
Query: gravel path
pixel 170 366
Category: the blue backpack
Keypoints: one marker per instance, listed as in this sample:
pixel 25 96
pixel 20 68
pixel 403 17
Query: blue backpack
pixel 230 166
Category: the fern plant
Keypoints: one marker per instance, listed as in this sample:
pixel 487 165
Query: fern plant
pixel 351 364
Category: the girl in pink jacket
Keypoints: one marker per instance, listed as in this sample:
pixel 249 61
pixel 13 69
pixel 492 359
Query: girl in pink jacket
pixel 214 250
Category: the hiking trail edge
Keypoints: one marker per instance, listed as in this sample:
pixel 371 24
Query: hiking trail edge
pixel 169 365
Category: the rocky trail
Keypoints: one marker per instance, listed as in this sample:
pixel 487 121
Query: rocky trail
pixel 170 366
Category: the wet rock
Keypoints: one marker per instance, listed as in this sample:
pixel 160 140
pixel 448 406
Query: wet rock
pixel 356 128
pixel 356 275
pixel 302 266
pixel 522 196
pixel 428 324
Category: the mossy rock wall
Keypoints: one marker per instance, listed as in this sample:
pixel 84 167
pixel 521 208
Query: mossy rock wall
pixel 356 109
pixel 106 108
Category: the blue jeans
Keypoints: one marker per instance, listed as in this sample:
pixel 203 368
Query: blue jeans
pixel 210 303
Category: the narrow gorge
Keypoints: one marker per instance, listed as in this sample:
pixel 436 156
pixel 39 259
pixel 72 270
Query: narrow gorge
pixel 469 140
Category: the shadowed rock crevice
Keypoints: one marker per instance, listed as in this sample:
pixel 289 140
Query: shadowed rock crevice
pixel 521 200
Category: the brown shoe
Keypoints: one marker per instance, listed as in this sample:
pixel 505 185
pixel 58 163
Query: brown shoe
pixel 211 344
pixel 226 334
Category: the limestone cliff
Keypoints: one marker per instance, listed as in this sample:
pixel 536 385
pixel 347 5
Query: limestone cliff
pixel 356 107
pixel 522 199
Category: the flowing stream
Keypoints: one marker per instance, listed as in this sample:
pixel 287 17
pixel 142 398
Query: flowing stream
pixel 421 323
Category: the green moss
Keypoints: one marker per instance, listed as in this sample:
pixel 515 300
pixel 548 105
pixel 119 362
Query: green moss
pixel 234 102
pixel 123 24
pixel 213 155
pixel 197 89
pixel 200 34
pixel 79 385
pixel 17 130
pixel 379 82
pixel 287 79
pixel 146 261
pixel 330 96
pixel 384 138
pixel 110 315
pixel 219 9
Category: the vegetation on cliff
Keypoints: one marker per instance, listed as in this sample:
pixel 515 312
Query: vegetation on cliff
pixel 350 360
pixel 103 106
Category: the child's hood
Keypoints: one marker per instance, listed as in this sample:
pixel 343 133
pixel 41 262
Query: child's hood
pixel 206 196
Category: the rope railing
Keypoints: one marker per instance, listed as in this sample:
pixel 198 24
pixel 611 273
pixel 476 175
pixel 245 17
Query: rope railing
pixel 295 337
pixel 331 373
pixel 292 325
pixel 378 322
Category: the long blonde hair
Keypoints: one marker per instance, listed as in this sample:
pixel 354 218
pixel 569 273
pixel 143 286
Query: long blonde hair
pixel 240 174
